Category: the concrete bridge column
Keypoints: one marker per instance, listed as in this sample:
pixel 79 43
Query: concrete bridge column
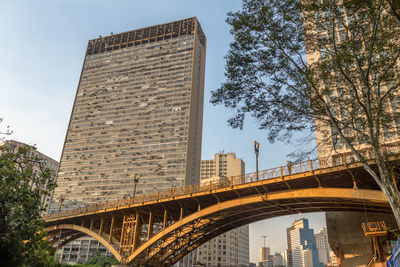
pixel 347 239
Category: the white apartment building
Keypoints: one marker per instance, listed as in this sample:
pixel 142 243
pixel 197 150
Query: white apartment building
pixel 321 241
pixel 230 248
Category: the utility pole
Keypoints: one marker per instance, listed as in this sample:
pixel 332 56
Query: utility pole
pixel 256 151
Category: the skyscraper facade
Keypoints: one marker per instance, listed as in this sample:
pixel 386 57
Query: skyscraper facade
pixel 230 248
pixel 137 115
pixel 278 260
pixel 323 247
pixel 339 21
pixel 264 254
pixel 302 246
pixel 136 122
pixel 223 165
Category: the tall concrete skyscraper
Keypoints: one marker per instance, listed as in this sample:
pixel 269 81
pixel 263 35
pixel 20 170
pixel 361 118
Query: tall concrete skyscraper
pixel 137 115
pixel 136 122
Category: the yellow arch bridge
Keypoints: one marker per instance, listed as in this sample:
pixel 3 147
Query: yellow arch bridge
pixel 159 229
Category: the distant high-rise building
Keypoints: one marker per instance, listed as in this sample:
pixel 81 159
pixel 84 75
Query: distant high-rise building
pixel 48 162
pixel 264 254
pixel 322 243
pixel 270 261
pixel 285 258
pixel 278 260
pixel 230 248
pixel 223 165
pixel 137 117
pixel 334 259
pixel 302 245
pixel 289 258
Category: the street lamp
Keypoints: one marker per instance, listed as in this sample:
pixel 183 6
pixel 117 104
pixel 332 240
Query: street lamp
pixel 256 150
pixel 135 180
pixel 62 198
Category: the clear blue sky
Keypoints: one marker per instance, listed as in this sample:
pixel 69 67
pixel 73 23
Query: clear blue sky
pixel 42 50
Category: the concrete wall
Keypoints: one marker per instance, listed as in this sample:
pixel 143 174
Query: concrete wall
pixel 346 236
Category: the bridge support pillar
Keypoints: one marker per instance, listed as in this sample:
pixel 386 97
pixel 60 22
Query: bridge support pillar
pixel 347 239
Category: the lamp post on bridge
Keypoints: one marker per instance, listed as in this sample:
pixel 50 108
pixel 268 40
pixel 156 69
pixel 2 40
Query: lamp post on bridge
pixel 62 198
pixel 256 151
pixel 136 181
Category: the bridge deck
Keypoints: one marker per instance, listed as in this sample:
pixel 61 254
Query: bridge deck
pixel 342 176
pixel 161 228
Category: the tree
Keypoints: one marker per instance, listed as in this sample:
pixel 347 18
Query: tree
pixel 99 261
pixel 326 67
pixel 23 182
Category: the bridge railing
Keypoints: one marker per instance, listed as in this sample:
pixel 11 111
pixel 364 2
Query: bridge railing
pixel 289 169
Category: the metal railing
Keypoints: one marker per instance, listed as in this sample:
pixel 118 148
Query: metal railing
pixel 374 228
pixel 281 171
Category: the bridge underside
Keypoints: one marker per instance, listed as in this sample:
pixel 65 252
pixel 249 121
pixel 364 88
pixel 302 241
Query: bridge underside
pixel 161 233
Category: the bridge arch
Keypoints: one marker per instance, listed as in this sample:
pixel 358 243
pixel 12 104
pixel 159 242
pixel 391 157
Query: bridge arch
pixel 209 222
pixel 79 229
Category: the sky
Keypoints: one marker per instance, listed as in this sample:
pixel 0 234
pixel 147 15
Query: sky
pixel 42 51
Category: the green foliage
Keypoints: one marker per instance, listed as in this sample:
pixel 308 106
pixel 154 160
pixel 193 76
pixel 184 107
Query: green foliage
pixel 98 261
pixel 262 68
pixel 270 77
pixel 23 182
pixel 328 67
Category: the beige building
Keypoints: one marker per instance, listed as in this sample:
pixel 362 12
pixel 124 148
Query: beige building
pixel 230 248
pixel 136 122
pixel 264 254
pixel 328 141
pixel 323 247
pixel 138 110
pixel 224 165
pixel 334 259
pixel 48 162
